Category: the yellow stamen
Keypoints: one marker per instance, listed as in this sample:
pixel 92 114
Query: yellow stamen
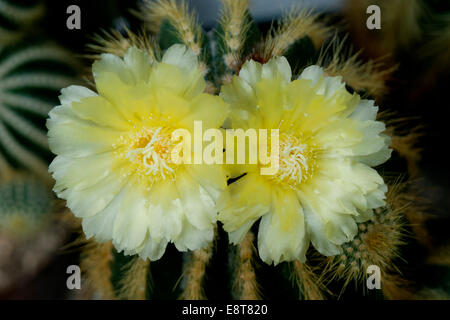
pixel 296 162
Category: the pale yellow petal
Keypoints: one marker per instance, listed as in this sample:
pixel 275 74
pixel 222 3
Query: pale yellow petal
pixel 199 207
pixel 271 101
pixel 153 249
pixel 210 110
pixel 101 112
pixel 132 221
pixel 192 238
pixel 282 234
pixel 277 67
pixel 75 137
pixel 171 78
pixel 75 94
pixel 251 72
pixel 100 226
pixel 80 173
pixel 182 57
pixel 240 204
pixel 165 211
pixel 90 201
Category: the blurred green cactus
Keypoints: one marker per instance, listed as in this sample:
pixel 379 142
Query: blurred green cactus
pixel 25 205
pixel 32 71
pixel 30 78
pixel 31 74
pixel 16 17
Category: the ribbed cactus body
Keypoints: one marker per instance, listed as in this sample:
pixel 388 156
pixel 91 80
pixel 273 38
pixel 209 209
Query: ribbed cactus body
pixel 30 79
pixel 16 16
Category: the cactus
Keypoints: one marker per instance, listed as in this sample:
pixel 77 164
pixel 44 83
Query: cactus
pixel 377 243
pixel 304 39
pixel 17 17
pixel 31 73
pixel 33 224
pixel 27 93
pixel 25 203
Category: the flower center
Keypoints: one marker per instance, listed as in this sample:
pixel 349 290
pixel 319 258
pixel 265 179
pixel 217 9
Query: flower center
pixel 150 149
pixel 296 161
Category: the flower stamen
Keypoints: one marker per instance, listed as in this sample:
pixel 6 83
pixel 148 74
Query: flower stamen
pixel 151 151
pixel 296 161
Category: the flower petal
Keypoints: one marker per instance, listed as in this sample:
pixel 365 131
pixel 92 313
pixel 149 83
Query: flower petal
pixel 242 97
pixel 182 57
pixel 210 110
pixel 80 173
pixel 100 111
pixel 100 226
pixel 132 220
pixel 271 101
pixel 179 72
pixel 165 211
pixel 134 68
pixel 326 86
pixel 74 137
pixel 239 205
pixel 199 206
pixel 192 238
pixel 277 67
pixel 75 94
pixel 171 78
pixel 365 110
pixel 153 249
pixel 251 72
pixel 329 227
pixel 282 234
pixel 90 201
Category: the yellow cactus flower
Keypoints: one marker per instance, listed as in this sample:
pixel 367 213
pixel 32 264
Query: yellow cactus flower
pixel 113 163
pixel 328 141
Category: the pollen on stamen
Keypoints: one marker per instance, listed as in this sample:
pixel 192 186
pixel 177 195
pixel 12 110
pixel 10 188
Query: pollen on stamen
pixel 149 149
pixel 296 161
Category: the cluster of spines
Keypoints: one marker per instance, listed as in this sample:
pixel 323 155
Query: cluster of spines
pixel 95 264
pixel 194 274
pixel 174 17
pixel 309 284
pixel 245 282
pixel 117 43
pixel 378 242
pixel 231 37
pixel 108 274
pixel 293 27
pixel 366 77
pixel 404 139
pixel 133 286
